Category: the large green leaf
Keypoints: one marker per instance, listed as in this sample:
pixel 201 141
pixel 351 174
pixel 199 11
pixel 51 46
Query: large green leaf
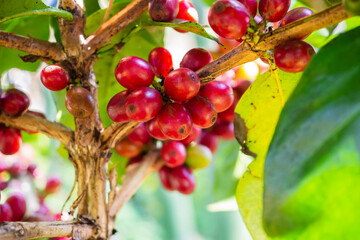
pixel 257 114
pixel 19 8
pixel 312 169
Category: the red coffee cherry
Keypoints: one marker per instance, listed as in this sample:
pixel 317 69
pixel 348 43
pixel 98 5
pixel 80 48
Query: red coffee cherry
pixel 153 129
pixel 193 136
pixel 166 178
pixel 17 204
pixel 293 56
pixel 187 12
pixel 14 102
pixel 116 107
pixel 127 149
pixel 173 153
pixel 195 59
pixel 224 130
pixel 79 102
pixel 209 140
pixel 133 72
pixel 182 180
pixel 140 135
pixel 52 185
pixel 54 77
pixel 202 112
pixel 163 10
pixel 161 61
pixel 219 94
pixel 6 214
pixel 10 140
pixel 251 6
pixel 229 18
pixel 273 10
pixel 296 14
pixel 182 84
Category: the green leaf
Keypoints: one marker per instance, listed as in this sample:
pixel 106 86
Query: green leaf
pixel 257 114
pixel 91 6
pixel 20 8
pixel 312 169
pixel 24 26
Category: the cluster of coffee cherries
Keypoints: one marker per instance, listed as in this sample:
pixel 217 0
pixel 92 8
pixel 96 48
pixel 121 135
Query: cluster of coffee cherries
pixel 78 100
pixel 15 206
pixel 231 19
pixel 187 117
pixel 13 102
pixel 168 10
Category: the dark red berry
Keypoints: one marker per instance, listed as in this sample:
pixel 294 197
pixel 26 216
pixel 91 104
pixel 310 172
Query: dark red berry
pixel 153 129
pixel 240 88
pixel 175 121
pixel 229 18
pixel 133 72
pixel 54 77
pixel 182 180
pixel 3 185
pixel 17 204
pixel 134 160
pixel 228 114
pixel 202 112
pixel 166 178
pixel 127 149
pixel 163 10
pixel 209 140
pixel 219 94
pixel 251 6
pixel 31 169
pixel 293 56
pixel 143 104
pixel 224 130
pixel 296 14
pixel 195 59
pixel 79 102
pixel 52 185
pixel 187 12
pixel 161 61
pixel 140 135
pixel 15 170
pixel 116 107
pixel 14 102
pixel 193 136
pixel 273 10
pixel 6 214
pixel 10 140
pixel 173 153
pixel 182 84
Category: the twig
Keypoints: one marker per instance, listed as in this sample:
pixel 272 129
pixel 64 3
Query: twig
pixel 115 132
pixel 36 124
pixel 107 13
pixel 35 230
pixel 133 180
pixel 33 46
pixel 243 54
pixel 109 29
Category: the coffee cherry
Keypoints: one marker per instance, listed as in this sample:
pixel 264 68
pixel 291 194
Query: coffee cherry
pixel 116 107
pixel 14 102
pixel 219 94
pixel 127 149
pixel 17 204
pixel 198 156
pixel 173 153
pixel 174 121
pixel 182 84
pixel 10 140
pixel 195 59
pixel 182 180
pixel 240 88
pixel 224 130
pixel 6 214
pixel 133 72
pixel 166 178
pixel 54 77
pixel 153 129
pixel 143 104
pixel 251 6
pixel 161 61
pixel 3 185
pixel 187 12
pixel 79 102
pixel 296 14
pixel 293 56
pixel 229 18
pixel 31 169
pixel 52 185
pixel 209 140
pixel 15 170
pixel 140 135
pixel 228 114
pixel 134 160
pixel 193 136
pixel 202 112
pixel 163 10
pixel 273 10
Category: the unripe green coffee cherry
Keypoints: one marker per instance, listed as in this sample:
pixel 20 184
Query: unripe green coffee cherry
pixel 198 156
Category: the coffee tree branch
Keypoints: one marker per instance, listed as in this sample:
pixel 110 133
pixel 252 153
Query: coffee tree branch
pixel 33 46
pixel 35 230
pixel 33 123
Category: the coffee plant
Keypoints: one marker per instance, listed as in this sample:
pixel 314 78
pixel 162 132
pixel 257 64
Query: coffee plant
pixel 283 80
